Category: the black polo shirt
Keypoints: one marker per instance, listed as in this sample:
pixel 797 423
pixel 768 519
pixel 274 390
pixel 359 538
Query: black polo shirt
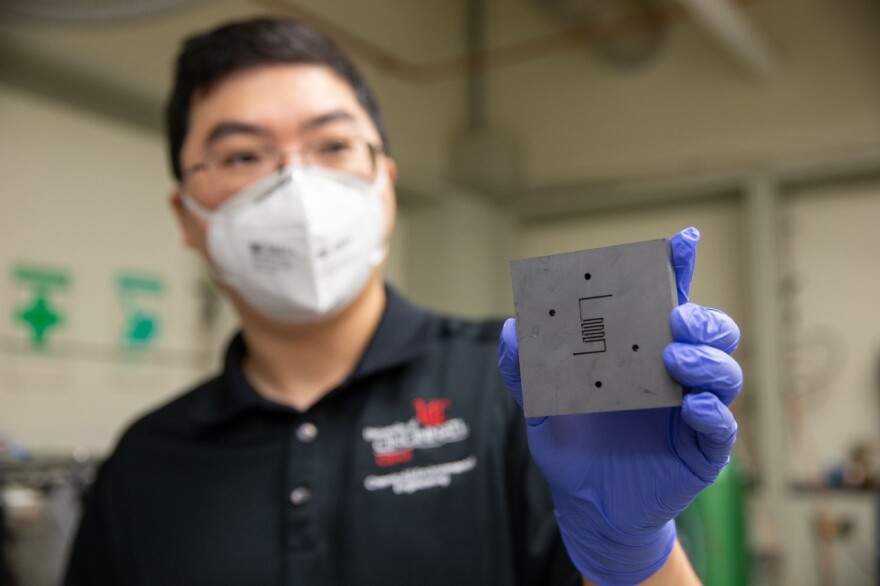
pixel 415 470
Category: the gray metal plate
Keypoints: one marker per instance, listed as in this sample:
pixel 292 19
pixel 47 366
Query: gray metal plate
pixel 591 327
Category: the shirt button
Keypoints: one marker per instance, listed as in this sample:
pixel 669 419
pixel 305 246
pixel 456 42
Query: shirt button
pixel 307 432
pixel 300 496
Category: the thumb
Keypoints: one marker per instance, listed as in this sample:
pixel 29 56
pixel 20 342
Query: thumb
pixel 508 366
pixel 684 257
pixel 508 360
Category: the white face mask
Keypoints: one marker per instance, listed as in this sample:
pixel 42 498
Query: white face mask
pixel 299 245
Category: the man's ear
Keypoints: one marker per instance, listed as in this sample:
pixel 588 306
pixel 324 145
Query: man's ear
pixel 391 189
pixel 185 221
pixel 392 170
pixel 389 195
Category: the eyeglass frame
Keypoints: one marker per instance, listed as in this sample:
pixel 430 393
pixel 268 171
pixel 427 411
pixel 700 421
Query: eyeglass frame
pixel 374 149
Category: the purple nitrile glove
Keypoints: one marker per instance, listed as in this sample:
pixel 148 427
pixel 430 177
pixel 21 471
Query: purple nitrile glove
pixel 619 479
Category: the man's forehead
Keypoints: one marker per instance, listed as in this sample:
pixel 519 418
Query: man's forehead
pixel 284 82
pixel 286 98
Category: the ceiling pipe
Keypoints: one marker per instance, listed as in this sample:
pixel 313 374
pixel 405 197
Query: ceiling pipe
pixel 726 22
pixel 92 13
pixel 573 38
pixel 476 51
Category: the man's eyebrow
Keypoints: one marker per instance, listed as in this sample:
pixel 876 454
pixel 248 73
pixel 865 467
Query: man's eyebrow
pixel 324 119
pixel 232 127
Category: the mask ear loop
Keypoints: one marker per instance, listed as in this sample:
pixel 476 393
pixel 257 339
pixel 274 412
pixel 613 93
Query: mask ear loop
pixel 201 211
pixel 381 252
pixel 195 207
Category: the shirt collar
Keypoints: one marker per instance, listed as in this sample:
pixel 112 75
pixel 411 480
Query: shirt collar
pixel 401 336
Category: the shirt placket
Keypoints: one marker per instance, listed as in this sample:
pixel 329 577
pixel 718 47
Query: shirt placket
pixel 304 541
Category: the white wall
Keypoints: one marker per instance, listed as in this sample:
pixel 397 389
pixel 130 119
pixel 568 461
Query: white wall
pixel 457 251
pixel 831 260
pixel 88 196
pixel 833 265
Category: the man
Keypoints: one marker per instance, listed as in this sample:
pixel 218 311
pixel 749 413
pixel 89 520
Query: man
pixel 352 438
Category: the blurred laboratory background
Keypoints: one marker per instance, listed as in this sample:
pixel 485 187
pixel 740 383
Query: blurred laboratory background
pixel 521 128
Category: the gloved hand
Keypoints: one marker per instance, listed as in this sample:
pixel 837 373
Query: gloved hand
pixel 619 479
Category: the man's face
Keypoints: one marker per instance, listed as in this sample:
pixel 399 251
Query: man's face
pixel 286 107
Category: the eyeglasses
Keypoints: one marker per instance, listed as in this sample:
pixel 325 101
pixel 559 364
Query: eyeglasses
pixel 228 170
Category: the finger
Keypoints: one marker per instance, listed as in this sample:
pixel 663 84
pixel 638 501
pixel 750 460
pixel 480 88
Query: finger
pixel 695 324
pixel 508 360
pixel 684 257
pixel 705 368
pixel 715 426
pixel 508 366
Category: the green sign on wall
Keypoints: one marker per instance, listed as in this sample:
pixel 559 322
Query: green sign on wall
pixel 39 315
pixel 142 324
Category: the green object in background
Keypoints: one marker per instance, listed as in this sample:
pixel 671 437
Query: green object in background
pixel 39 315
pixel 713 531
pixel 142 326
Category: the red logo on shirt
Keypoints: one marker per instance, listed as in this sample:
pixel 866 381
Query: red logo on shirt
pixel 392 458
pixel 432 412
pixel 396 442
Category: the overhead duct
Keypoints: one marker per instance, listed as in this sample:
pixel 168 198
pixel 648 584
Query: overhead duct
pixel 726 22
pixel 481 158
pixel 596 20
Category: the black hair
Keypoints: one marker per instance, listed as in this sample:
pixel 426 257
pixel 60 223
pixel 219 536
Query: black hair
pixel 206 59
